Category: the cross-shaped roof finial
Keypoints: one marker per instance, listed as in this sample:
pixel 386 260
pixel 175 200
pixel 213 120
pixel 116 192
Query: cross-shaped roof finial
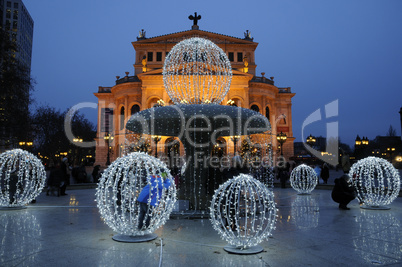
pixel 195 18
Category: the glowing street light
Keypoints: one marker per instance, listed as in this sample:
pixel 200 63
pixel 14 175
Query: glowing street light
pixel 108 138
pixel 281 138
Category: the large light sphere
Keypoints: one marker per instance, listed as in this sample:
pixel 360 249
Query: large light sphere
pixel 303 179
pixel 22 178
pixel 120 186
pixel 377 182
pixel 243 212
pixel 197 71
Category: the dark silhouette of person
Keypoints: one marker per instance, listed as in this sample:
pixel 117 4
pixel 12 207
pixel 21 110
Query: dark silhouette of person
pixel 55 178
pixel 95 173
pixel 343 191
pixel 325 173
pixel 65 178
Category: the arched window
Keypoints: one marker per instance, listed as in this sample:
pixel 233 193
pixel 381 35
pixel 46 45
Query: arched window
pixel 135 109
pixel 267 112
pixel 255 108
pixel 122 118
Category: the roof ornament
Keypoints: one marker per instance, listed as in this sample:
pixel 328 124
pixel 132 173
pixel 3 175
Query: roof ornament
pixel 247 36
pixel 195 18
pixel 141 36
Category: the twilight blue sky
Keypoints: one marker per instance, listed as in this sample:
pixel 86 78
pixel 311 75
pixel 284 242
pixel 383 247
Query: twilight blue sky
pixel 345 50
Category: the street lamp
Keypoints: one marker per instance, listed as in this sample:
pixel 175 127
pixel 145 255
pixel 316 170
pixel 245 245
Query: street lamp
pixel 108 138
pixel 156 139
pixel 76 141
pixel 358 141
pixel 26 145
pixel 311 140
pixel 281 139
pixel 235 138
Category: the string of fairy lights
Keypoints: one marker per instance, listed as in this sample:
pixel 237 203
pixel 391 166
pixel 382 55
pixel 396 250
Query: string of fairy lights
pixel 120 186
pixel 197 71
pixel 243 211
pixel 23 177
pixel 376 180
pixel 303 179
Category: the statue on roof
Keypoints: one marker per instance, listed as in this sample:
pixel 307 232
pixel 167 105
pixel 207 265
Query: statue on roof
pixel 141 35
pixel 195 20
pixel 247 36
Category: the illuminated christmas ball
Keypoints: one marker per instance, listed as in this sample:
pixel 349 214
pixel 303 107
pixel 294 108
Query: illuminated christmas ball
pixel 22 178
pixel 197 71
pixel 377 182
pixel 303 179
pixel 135 196
pixel 244 214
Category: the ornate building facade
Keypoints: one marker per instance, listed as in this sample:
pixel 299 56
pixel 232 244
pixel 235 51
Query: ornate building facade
pixel 145 89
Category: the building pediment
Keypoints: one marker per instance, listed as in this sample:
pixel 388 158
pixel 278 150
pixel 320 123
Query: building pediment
pixel 180 36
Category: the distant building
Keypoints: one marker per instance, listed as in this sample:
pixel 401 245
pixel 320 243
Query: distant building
pixel 145 89
pixel 16 25
pixel 16 20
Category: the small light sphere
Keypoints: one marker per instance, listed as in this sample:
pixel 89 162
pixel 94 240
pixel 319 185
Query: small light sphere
pixel 243 211
pixel 303 179
pixel 133 197
pixel 377 182
pixel 22 178
pixel 197 71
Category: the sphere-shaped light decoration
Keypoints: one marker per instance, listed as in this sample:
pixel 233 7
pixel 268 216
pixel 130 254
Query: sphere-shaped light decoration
pixel 22 178
pixel 303 179
pixel 244 214
pixel 123 186
pixel 197 71
pixel 377 182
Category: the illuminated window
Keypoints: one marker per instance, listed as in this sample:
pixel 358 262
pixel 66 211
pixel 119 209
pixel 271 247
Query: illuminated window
pixel 122 118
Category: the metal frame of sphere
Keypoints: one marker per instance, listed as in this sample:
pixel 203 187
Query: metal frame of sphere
pixel 377 182
pixel 20 189
pixel 118 191
pixel 197 71
pixel 303 179
pixel 243 212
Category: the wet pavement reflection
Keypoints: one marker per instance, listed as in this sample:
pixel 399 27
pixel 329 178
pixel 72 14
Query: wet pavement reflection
pixel 310 230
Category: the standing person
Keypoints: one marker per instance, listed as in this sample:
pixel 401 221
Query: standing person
pixel 13 184
pixel 55 178
pixel 95 174
pixel 66 176
pixel 150 196
pixel 317 170
pixel 325 173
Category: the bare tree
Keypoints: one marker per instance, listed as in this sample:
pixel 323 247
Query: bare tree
pixel 391 131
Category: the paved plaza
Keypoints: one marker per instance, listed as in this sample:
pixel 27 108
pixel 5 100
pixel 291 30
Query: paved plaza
pixel 310 231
